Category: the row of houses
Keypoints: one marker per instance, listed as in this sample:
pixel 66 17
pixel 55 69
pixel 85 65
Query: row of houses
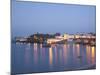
pixel 58 38
pixel 68 37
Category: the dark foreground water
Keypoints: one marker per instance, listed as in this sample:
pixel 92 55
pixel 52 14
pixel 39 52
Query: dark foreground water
pixel 33 58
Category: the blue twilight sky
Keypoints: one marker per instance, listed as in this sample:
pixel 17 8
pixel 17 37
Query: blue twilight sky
pixel 31 17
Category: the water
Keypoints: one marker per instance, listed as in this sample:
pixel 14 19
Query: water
pixel 33 58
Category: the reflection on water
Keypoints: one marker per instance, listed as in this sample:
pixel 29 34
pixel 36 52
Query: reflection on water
pixel 93 55
pixel 27 54
pixel 55 58
pixel 88 54
pixel 78 49
pixel 41 46
pixel 65 51
pixel 50 56
pixel 42 54
pixel 90 51
pixel 35 53
pixel 79 56
pixel 56 55
pixel 35 46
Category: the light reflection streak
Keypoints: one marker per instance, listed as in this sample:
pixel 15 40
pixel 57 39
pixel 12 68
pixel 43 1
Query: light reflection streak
pixel 88 54
pixel 78 49
pixel 50 56
pixel 61 56
pixel 35 53
pixel 78 57
pixel 68 46
pixel 65 53
pixel 56 55
pixel 27 54
pixel 93 55
pixel 35 46
pixel 41 46
pixel 90 51
pixel 42 53
pixel 74 53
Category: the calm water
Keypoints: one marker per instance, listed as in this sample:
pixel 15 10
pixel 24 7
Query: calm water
pixel 33 58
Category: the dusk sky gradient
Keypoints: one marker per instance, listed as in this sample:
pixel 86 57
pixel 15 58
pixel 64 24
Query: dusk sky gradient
pixel 31 17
